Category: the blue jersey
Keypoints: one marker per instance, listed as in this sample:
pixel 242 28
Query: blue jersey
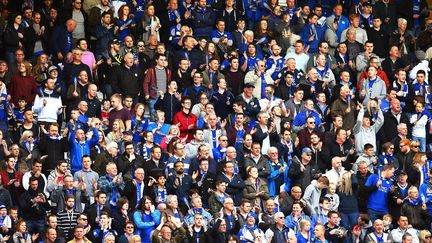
pixel 378 199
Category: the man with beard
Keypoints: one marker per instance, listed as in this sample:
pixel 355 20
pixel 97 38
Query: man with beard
pixel 67 218
pixel 180 183
pixel 11 179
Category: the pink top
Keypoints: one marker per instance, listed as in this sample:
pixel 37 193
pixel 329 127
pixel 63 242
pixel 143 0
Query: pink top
pixel 89 59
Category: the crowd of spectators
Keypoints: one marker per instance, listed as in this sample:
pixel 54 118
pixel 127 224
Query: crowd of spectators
pixel 215 121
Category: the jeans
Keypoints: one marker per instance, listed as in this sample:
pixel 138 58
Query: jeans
pixel 10 57
pixel 422 142
pixel 35 225
pixel 348 220
pixel 375 214
pixel 151 104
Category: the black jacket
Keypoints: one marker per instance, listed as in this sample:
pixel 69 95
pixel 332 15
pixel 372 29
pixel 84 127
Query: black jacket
pixel 30 210
pixel 128 167
pixel 54 148
pixel 303 179
pixel 170 104
pixel 127 81
pixel 389 129
pixel 234 187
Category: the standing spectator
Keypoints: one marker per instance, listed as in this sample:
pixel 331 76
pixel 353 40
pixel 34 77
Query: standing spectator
pixel 67 218
pixel 112 184
pixel 303 171
pixel 11 179
pixel 186 120
pixel 48 105
pixel 126 79
pixel 59 196
pixel 23 84
pixel 35 206
pixel 380 188
pixel 61 40
pixel 146 218
pixel 81 146
pixel 13 38
pixel 156 80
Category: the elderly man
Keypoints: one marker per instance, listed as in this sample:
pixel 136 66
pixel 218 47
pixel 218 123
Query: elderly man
pixel 335 174
pixel 112 184
pixel 259 79
pixel 278 172
pixel 278 232
pixel 378 235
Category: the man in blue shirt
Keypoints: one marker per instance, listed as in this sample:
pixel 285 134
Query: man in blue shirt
pixel 380 186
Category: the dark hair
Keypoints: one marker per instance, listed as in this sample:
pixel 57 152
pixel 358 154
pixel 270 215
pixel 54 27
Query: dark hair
pixel 122 201
pixel 367 146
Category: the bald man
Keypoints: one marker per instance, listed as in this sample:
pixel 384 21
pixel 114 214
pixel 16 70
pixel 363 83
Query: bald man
pixel 94 105
pixel 61 40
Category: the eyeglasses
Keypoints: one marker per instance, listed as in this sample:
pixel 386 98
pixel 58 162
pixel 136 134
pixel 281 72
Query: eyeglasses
pixel 416 146
pixel 140 45
pixel 427 237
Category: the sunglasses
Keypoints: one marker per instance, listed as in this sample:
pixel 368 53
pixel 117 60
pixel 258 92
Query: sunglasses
pixel 427 237
pixel 416 146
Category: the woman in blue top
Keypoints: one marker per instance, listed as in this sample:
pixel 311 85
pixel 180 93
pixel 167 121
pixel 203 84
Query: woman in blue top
pixel 125 22
pixel 305 234
pixel 139 123
pixel 146 218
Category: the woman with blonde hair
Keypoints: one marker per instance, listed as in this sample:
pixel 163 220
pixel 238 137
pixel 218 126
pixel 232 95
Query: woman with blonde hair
pixel 116 135
pixel 305 234
pixel 27 144
pixel 173 132
pixel 415 146
pixel 348 207
pixel 424 236
pixel 135 239
pixel 420 168
pixel 40 69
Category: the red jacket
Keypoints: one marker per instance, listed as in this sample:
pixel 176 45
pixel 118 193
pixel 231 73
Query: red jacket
pixel 185 121
pixel 22 87
pixel 150 83
pixel 5 180
pixel 380 74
